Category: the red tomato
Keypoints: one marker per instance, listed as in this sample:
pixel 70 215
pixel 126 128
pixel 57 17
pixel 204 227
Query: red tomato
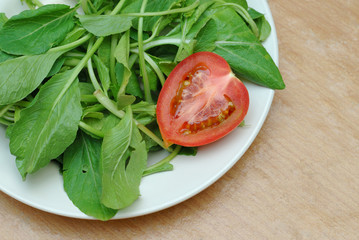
pixel 201 101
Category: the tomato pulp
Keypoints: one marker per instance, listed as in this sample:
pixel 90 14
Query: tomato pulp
pixel 201 101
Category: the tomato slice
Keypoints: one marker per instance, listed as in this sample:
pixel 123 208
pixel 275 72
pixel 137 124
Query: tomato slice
pixel 201 101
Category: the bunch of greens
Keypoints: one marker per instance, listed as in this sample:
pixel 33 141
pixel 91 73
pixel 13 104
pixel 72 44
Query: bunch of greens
pixel 79 84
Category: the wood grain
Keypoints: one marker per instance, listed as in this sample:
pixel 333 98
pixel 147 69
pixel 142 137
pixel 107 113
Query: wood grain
pixel 299 179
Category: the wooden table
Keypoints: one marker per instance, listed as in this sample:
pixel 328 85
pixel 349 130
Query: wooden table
pixel 300 177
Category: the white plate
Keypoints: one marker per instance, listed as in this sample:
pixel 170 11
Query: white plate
pixel 191 175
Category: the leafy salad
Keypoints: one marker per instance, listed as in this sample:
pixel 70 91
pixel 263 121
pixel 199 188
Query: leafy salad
pixel 80 85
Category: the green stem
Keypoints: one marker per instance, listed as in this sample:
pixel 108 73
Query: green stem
pixel 5 109
pixel 72 62
pixel 90 51
pixel 108 104
pixel 142 62
pixel 155 67
pixel 118 7
pixel 112 107
pixel 12 108
pixel 8 118
pixel 71 45
pixel 91 72
pixel 74 55
pixel 124 83
pixel 132 60
pixel 162 13
pixel 17 114
pixel 9 115
pixel 154 34
pixel 75 71
pixel 159 42
pixel 85 7
pixel 88 98
pixel 87 56
pixel 95 108
pixel 163 161
pixel 105 9
pixel 114 42
pixel 245 15
pixel 183 39
pixel 154 137
pixel 90 129
pixel 5 122
pixel 73 35
pixel 36 3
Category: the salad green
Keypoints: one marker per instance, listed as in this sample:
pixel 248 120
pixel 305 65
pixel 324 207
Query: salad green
pixel 79 85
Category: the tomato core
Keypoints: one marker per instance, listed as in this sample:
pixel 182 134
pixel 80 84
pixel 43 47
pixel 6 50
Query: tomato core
pixel 194 85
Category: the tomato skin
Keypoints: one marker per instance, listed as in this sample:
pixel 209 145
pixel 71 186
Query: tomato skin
pixel 220 90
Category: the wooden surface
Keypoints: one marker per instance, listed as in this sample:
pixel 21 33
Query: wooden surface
pixel 299 179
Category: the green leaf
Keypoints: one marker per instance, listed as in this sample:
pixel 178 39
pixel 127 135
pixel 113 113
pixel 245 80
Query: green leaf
pixel 164 164
pixel 125 100
pixel 29 3
pixel 186 50
pixel 36 31
pixel 157 6
pixel 15 75
pixel 104 51
pixel 3 19
pixel 110 121
pixel 243 51
pixel 134 6
pixel 151 145
pixel 145 113
pixel 261 22
pixel 96 115
pixel 161 168
pixel 144 107
pixel 204 13
pixel 114 24
pixel 9 130
pixel 92 6
pixel 238 45
pixel 56 67
pixel 188 151
pixel 99 3
pixel 197 13
pixel 264 28
pixel 122 52
pixel 74 35
pixel 134 35
pixel 242 3
pixel 4 56
pixel 206 38
pixel 152 77
pixel 133 86
pixel 82 177
pixel 47 127
pixel 166 65
pixel 124 158
pixel 255 14
pixel 103 73
pixel 86 88
pixel 201 21
pixel 144 119
pixel 93 123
